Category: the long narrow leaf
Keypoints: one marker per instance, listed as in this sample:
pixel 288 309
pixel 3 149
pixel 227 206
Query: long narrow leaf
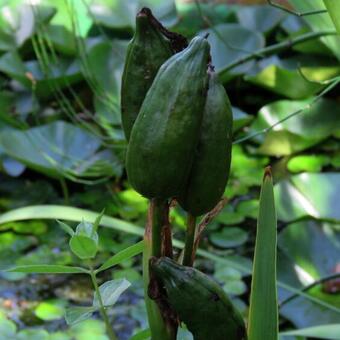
pixel 331 331
pixel 122 256
pixel 263 312
pixel 47 269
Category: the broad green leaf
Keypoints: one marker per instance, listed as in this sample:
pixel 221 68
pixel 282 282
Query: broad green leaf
pixel 308 251
pixel 47 269
pixel 263 310
pixel 83 246
pixel 230 42
pixel 110 291
pixel 262 18
pixel 74 315
pixel 308 194
pixel 123 255
pixel 50 310
pixel 299 132
pixel 333 8
pixel 284 78
pixel 308 163
pixel 58 148
pixel 319 22
pixel 228 237
pixel 330 331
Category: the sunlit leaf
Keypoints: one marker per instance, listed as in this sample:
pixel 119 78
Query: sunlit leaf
pixel 50 310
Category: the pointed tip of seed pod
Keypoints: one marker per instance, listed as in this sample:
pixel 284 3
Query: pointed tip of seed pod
pixel 145 11
pixel 267 172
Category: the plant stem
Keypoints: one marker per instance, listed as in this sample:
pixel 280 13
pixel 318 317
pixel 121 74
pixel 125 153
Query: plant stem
pixel 159 207
pixel 102 310
pixel 160 327
pixel 188 258
pixel 274 49
pixel 64 188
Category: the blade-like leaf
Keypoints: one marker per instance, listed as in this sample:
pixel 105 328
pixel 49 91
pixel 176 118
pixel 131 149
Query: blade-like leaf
pixel 110 291
pixel 321 332
pixel 74 315
pixel 47 269
pixel 122 256
pixel 263 312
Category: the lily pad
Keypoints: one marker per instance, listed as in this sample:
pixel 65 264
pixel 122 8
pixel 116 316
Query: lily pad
pixel 229 237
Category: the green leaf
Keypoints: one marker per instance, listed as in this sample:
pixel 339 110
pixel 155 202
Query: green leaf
pixel 229 237
pixel 308 251
pixel 61 39
pixel 230 42
pixel 330 331
pixel 110 291
pixel 333 8
pixel 66 228
pixel 309 163
pixel 74 315
pixel 263 310
pixel 50 310
pixel 299 132
pixel 47 269
pixel 284 78
pixel 308 194
pixel 58 148
pixel 123 255
pixel 83 246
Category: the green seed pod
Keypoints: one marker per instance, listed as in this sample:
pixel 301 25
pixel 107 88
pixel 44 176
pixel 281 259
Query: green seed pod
pixel 210 171
pixel 199 302
pixel 166 132
pixel 147 51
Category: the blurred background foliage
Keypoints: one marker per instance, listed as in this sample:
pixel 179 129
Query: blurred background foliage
pixel 61 143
